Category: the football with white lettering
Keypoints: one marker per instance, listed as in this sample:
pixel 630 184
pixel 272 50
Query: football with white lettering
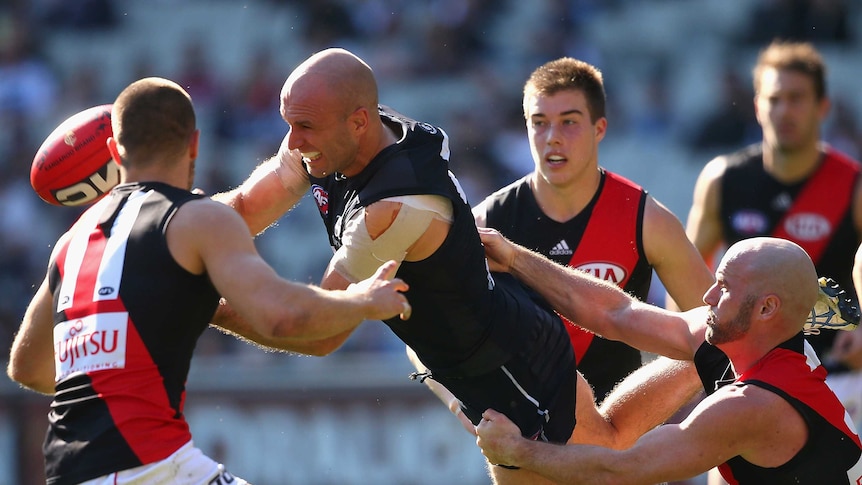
pixel 73 166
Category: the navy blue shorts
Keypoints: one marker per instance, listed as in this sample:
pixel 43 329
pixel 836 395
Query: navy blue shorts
pixel 535 389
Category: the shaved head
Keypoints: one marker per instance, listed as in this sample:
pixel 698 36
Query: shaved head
pixel 330 103
pixel 153 120
pixel 339 74
pixel 776 266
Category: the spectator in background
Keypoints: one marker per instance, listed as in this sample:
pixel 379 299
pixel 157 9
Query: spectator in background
pixel 732 122
pixel 377 19
pixel 844 132
pixel 327 23
pixel 198 75
pixel 561 32
pixel 455 36
pixel 22 251
pixel 28 100
pixel 28 85
pixel 476 168
pixel 654 118
pixel 509 147
pixel 78 15
pixel 82 88
pixel 256 120
pixel 142 66
pixel 800 20
pixel 477 124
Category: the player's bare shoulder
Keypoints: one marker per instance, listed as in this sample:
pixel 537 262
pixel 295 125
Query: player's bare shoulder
pixel 708 184
pixel 199 228
pixel 202 220
pixel 204 211
pixel 714 170
pixel 657 216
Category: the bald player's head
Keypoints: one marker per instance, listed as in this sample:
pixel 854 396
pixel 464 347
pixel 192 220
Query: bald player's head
pixel 337 74
pixel 775 266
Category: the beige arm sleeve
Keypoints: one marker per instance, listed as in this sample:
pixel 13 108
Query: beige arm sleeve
pixel 360 256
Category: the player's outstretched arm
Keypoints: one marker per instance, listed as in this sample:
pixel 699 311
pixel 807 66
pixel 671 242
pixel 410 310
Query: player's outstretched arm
pixel 272 189
pixel 709 436
pixel 597 305
pixel 228 321
pixel 207 236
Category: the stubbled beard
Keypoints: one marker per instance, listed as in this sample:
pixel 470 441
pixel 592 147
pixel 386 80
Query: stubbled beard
pixel 721 332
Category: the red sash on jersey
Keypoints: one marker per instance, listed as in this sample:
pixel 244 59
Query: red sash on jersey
pixel 789 371
pixel 123 404
pixel 610 238
pixel 827 193
pixel 810 388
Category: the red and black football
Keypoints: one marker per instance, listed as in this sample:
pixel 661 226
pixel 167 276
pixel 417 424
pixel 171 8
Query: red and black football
pixel 73 166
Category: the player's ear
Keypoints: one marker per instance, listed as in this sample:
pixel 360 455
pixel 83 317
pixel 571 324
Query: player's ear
pixel 115 153
pixel 601 127
pixel 770 306
pixel 359 119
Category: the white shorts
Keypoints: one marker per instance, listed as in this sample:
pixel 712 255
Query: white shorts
pixel 848 387
pixel 187 466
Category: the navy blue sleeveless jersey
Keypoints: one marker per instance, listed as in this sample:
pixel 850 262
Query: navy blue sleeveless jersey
pixel 604 239
pixel 817 217
pixel 126 321
pixel 792 370
pixel 466 323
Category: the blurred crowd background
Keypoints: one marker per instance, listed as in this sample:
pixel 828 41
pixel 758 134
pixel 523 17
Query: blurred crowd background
pixel 677 74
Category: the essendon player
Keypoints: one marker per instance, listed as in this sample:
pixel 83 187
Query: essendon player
pixel 792 185
pixel 130 288
pixel 769 416
pixel 578 214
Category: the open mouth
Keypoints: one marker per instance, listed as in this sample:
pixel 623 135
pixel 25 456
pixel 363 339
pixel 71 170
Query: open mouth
pixel 310 156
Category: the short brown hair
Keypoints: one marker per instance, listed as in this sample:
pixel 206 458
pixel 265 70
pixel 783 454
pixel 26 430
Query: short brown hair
pixel 153 118
pixel 799 57
pixel 568 74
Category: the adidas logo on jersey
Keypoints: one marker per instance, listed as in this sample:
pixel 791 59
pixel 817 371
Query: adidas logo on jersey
pixel 560 249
